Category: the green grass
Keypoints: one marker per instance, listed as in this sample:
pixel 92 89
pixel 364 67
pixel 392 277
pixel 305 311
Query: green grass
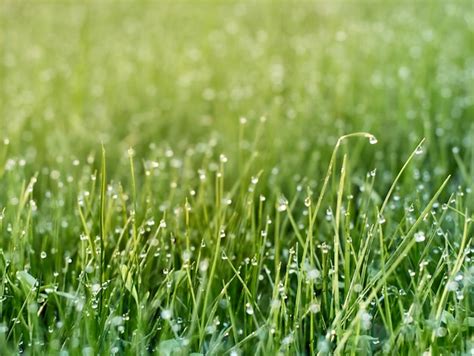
pixel 236 178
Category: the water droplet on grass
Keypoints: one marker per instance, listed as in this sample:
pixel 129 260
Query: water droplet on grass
pixel 204 265
pixel 452 286
pixel 282 204
pixel 328 214
pixel 314 308
pixel 323 346
pixel 150 222
pixel 275 304
pixel 95 288
pixel 313 274
pixel 287 340
pixel 440 332
pixel 324 247
pixel 372 139
pixel 420 236
pixel 366 320
pixel 166 314
pixel 381 219
pixel 223 158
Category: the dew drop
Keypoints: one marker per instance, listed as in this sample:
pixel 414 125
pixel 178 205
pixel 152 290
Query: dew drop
pixel 452 286
pixel 314 308
pixel 166 314
pixel 282 204
pixel 440 332
pixel 381 219
pixel 420 236
pixel 248 309
pixel 372 139
pixel 328 214
pixel 223 158
pixel 204 265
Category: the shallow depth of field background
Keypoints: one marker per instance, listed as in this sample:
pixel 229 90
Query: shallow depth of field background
pixel 172 75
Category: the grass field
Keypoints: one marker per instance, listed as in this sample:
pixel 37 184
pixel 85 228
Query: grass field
pixel 235 178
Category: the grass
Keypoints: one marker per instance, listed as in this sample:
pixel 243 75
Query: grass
pixel 235 178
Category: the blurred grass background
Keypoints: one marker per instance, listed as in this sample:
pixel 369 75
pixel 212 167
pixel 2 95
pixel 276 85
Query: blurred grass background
pixel 74 75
